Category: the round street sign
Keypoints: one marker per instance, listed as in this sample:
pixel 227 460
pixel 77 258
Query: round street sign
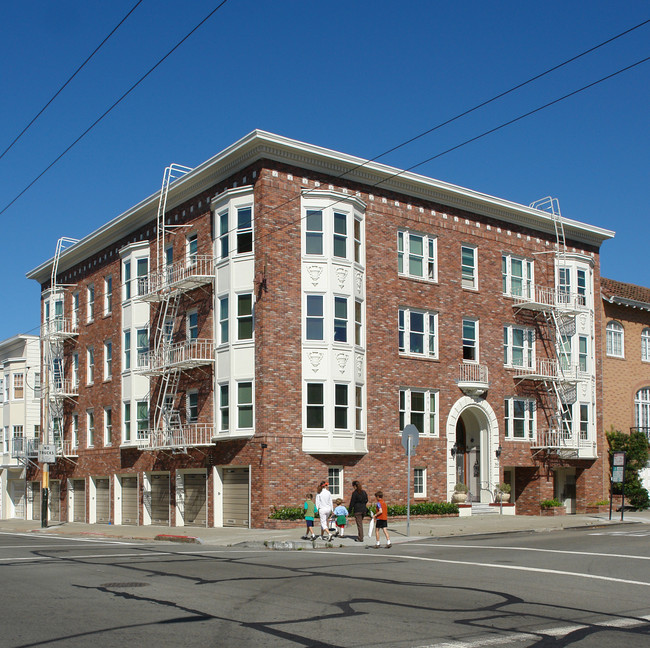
pixel 410 432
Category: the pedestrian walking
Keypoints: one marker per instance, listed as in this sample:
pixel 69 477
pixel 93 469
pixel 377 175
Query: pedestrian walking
pixel 381 519
pixel 359 507
pixel 310 512
pixel 341 517
pixel 325 506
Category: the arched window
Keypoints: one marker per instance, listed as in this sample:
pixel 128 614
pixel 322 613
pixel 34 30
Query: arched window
pixel 614 339
pixel 645 345
pixel 642 410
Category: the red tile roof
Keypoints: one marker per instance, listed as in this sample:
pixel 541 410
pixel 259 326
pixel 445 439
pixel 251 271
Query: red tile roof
pixel 612 290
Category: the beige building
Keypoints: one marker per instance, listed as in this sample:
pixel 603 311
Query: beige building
pixel 20 378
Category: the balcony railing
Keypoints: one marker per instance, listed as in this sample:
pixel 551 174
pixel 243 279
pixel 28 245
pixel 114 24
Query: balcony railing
pixel 181 276
pixel 551 370
pixel 182 355
pixel 65 388
pixel 22 447
pixel 543 298
pixel 59 327
pixel 184 436
pixel 473 379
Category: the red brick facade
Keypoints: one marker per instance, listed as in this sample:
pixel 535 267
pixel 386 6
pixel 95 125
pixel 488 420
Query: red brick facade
pixel 280 472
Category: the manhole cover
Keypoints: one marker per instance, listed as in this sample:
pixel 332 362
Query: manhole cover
pixel 123 585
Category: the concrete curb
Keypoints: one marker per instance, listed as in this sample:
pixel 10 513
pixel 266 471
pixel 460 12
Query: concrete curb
pixel 178 538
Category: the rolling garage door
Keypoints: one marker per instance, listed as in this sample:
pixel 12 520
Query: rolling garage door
pixel 54 503
pixel 235 497
pixel 194 499
pixel 78 500
pixel 160 499
pixel 129 500
pixel 102 507
pixel 36 500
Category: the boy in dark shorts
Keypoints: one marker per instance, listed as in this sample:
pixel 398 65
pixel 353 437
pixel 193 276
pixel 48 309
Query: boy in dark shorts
pixel 381 519
pixel 310 512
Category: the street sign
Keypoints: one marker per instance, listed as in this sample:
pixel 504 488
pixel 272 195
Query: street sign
pixel 410 432
pixel 618 474
pixel 47 453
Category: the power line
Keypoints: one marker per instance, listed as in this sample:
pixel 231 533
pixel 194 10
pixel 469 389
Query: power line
pixel 60 90
pixel 106 112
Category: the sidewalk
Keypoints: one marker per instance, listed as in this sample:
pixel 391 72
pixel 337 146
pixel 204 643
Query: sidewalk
pixel 290 538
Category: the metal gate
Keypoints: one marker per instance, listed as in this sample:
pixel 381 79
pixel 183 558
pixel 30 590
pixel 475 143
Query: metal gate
pixel 102 501
pixel 160 499
pixel 236 497
pixel 54 502
pixel 129 500
pixel 35 491
pixel 195 507
pixel 78 500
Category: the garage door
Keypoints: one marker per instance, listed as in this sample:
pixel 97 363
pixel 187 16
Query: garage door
pixel 78 500
pixel 17 494
pixel 54 503
pixel 102 509
pixel 129 500
pixel 159 499
pixel 36 500
pixel 235 497
pixel 195 499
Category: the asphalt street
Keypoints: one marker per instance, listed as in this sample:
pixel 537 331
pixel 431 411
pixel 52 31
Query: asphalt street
pixel 583 587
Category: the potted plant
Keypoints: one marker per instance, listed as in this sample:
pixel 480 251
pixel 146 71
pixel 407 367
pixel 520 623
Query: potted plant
pixel 460 493
pixel 552 507
pixel 504 492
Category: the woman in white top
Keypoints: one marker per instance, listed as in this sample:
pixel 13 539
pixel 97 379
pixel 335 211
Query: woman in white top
pixel 324 505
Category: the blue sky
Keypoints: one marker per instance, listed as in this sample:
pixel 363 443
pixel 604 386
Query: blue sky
pixel 358 77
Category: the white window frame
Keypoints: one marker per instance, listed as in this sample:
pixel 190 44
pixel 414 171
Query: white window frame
pixel 645 345
pixel 615 338
pixel 224 324
pixel 18 383
pixel 476 346
pixel 584 422
pixel 142 278
pixel 419 483
pixel 642 409
pixel 527 347
pixel 583 355
pixel 90 303
pixel 224 407
pixel 126 421
pixel 108 426
pixel 189 396
pixel 142 351
pixel 245 316
pixel 90 365
pixel 335 478
pixel 223 251
pixel 127 291
pixel 312 315
pixel 75 430
pixel 428 258
pixel 241 405
pixel 315 405
pixel 340 408
pixel 243 230
pixel 429 336
pixel 193 313
pixel 359 410
pixel 108 360
pixel 507 277
pixel 469 273
pixel 431 420
pixel 126 348
pixel 90 428
pixel 529 418
pixel 142 423
pixel 75 310
pixel 191 255
pixel 108 295
pixel 340 323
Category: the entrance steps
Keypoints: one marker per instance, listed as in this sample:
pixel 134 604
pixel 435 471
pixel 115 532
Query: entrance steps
pixel 484 509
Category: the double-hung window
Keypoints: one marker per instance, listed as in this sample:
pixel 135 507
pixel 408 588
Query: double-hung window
pixel 516 276
pixel 315 322
pixel 192 407
pixel 108 359
pixel 108 426
pixel 335 480
pixel 419 482
pixel 519 418
pixel 143 271
pixel 90 428
pixel 315 418
pixel 358 323
pixel 75 369
pixel 108 295
pixel 193 325
pixel 245 317
pixel 75 430
pixel 245 405
pixel 358 408
pixel 90 296
pixel 357 240
pixel 19 386
pixel 642 410
pixel 340 319
pixel 645 345
pixel 584 421
pixel 192 250
pixel 340 242
pixel 314 232
pixel 90 365
pixel 341 406
pixel 75 311
pixel 469 277
pixel 518 346
pixel 127 422
pixel 223 320
pixel 419 407
pixel 127 280
pixel 418 332
pixel 614 339
pixel 583 353
pixel 127 350
pixel 581 277
pixel 142 413
pixel 142 348
pixel 416 255
pixel 223 235
pixel 470 340
pixel 224 408
pixel 244 230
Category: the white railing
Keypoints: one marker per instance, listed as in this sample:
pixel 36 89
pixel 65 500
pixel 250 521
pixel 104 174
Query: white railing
pixel 189 435
pixel 186 354
pixel 62 388
pixel 180 275
pixel 59 327
pixel 552 298
pixel 473 373
pixel 24 447
pixel 549 369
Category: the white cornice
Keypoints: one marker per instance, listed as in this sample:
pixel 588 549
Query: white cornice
pixel 260 144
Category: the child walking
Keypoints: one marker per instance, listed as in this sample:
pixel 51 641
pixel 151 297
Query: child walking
pixel 341 517
pixel 310 513
pixel 381 519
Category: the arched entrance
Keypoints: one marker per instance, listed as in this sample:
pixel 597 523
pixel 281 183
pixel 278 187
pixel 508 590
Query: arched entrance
pixel 472 438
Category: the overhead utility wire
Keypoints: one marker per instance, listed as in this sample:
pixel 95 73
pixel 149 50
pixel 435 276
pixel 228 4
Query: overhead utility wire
pixel 468 111
pixel 106 112
pixel 453 148
pixel 58 92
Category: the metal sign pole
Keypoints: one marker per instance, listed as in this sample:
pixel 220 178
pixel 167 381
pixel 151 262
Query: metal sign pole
pixel 408 489
pixel 623 486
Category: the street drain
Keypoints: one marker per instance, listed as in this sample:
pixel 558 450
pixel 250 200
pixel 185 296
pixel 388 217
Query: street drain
pixel 123 585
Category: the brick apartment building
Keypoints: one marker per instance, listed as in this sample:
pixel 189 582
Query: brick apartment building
pixel 278 314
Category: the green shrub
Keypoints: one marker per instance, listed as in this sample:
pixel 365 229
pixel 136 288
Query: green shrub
pixel 460 488
pixel 635 445
pixel 424 508
pixel 599 503
pixel 550 503
pixel 504 487
pixel 287 513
